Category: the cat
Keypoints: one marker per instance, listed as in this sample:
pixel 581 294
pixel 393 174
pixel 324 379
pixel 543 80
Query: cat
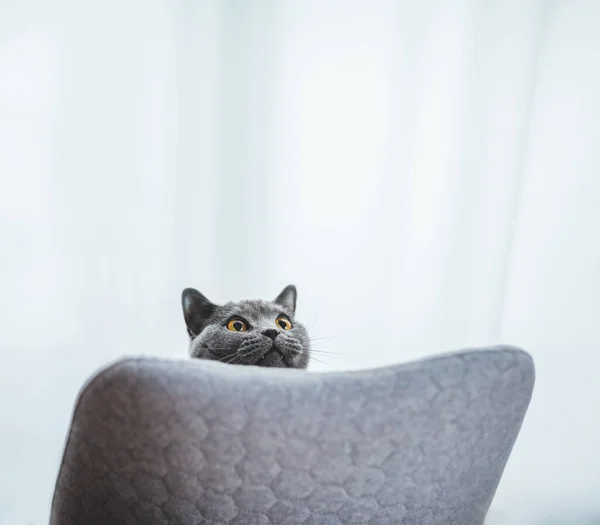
pixel 251 332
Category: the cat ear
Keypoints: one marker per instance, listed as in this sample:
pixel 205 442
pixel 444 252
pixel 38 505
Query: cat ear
pixel 196 310
pixel 287 298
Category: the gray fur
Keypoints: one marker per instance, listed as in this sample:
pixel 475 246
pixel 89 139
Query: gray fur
pixel 264 344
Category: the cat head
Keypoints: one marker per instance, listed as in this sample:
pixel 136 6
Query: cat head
pixel 252 332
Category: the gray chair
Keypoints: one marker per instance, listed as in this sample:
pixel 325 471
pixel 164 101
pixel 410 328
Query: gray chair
pixel 197 442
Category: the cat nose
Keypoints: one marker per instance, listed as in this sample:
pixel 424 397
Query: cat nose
pixel 272 333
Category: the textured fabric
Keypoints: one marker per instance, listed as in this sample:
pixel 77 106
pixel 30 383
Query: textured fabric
pixel 194 442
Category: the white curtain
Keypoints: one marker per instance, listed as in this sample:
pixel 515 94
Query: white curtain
pixel 427 173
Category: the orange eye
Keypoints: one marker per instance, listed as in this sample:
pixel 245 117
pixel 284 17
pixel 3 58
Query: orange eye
pixel 237 325
pixel 283 322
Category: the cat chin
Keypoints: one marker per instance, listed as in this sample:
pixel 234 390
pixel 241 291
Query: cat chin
pixel 273 359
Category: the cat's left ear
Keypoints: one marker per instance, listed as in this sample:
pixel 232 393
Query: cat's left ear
pixel 287 298
pixel 197 309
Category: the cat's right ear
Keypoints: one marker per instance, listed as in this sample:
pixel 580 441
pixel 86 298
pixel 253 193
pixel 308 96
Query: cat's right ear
pixel 196 310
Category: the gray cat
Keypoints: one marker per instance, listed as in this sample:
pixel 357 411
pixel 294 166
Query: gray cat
pixel 256 332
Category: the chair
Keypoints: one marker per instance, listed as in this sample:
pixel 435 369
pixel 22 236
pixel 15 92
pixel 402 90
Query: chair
pixel 199 442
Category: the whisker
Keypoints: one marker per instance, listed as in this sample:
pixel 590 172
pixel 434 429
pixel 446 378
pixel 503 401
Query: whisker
pixel 319 361
pixel 321 348
pixel 324 352
pixel 323 338
pixel 241 357
pixel 319 342
pixel 234 360
pixel 231 357
pixel 235 357
pixel 227 357
pixel 312 323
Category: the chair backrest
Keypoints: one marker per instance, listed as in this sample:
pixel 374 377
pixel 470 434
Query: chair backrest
pixel 199 442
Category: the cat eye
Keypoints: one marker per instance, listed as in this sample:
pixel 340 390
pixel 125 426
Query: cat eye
pixel 237 325
pixel 283 322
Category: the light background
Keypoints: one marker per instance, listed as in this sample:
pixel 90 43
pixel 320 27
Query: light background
pixel 427 173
